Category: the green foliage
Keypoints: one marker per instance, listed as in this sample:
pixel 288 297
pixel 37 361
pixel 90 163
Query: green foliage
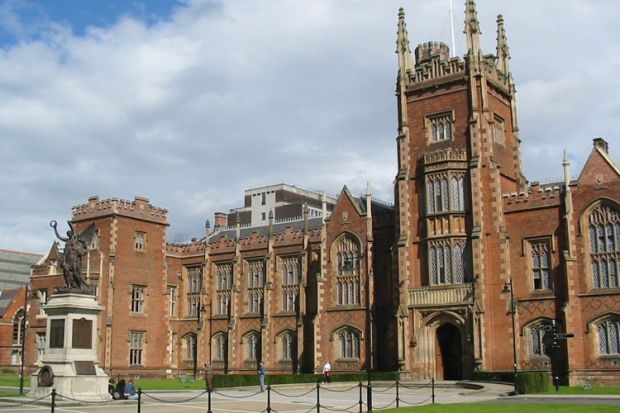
pixel 532 382
pixel 502 376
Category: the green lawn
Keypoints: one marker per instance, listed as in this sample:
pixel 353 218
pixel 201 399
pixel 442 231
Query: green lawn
pixel 505 408
pixel 581 390
pixel 12 380
pixel 169 384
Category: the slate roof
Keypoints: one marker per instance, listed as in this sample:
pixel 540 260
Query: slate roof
pixel 15 268
pixel 6 298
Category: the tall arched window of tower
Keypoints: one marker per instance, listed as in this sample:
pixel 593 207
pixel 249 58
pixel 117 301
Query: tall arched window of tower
pixel 348 272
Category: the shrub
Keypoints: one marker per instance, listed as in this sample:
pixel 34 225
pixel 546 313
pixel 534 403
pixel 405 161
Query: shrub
pixel 505 376
pixel 237 380
pixel 532 382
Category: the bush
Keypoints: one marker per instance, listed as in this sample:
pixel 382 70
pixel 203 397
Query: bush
pixel 237 380
pixel 532 382
pixel 505 376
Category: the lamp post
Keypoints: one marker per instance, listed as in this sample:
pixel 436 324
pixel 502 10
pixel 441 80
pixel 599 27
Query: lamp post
pixel 508 288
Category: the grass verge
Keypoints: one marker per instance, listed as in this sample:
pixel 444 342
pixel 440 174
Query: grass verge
pixel 506 408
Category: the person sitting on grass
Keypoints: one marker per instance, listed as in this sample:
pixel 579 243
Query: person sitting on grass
pixel 130 391
pixel 119 390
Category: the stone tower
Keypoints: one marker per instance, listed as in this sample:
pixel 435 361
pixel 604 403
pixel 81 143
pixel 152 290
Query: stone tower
pixel 458 151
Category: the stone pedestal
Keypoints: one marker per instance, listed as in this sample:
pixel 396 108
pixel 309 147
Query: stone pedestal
pixel 71 350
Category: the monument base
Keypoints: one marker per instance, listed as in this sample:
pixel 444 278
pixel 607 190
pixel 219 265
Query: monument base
pixel 70 356
pixel 70 385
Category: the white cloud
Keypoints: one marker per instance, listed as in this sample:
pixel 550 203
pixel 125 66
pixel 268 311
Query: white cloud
pixel 191 110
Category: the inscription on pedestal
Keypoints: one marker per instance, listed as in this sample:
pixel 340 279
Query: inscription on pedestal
pixel 57 333
pixel 82 333
pixel 85 368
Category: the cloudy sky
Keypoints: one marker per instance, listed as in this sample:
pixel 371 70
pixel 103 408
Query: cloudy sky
pixel 190 102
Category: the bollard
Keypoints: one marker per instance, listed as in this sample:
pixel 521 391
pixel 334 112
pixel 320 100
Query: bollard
pixel 269 398
pixel 53 400
pixel 369 397
pixel 397 401
pixel 433 389
pixel 209 401
pixel 139 399
pixel 318 398
pixel 361 401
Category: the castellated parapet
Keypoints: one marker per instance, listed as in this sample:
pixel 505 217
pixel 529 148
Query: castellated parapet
pixel 139 208
pixel 425 51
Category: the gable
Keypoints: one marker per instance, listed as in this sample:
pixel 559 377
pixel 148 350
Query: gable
pixel 598 169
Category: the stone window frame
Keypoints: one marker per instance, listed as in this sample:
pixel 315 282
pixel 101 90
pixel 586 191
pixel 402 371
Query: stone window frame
pixel 347 256
pixel 137 299
pixel 585 232
pixel 256 277
pixel 445 192
pixel 19 327
pixel 224 273
pixel 451 245
pixel 289 267
pixel 41 340
pixel 189 347
pixel 594 326
pixel 251 346
pixel 139 241
pixel 220 346
pixel 534 338
pixel 194 286
pixel 440 118
pixel 348 342
pixel 530 246
pixel 172 301
pixel 287 344
pixel 499 129
pixel 137 345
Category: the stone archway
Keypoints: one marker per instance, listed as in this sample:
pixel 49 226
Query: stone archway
pixel 448 353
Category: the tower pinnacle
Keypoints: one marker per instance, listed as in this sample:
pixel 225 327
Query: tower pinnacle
pixel 503 54
pixel 405 63
pixel 472 29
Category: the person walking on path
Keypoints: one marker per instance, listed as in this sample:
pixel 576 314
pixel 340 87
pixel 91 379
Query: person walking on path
pixel 327 372
pixel 209 376
pixel 261 376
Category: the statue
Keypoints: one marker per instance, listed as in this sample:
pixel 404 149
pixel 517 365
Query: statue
pixel 76 247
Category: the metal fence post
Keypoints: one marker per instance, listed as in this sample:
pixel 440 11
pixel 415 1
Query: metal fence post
pixel 269 398
pixel 369 394
pixel 53 400
pixel 397 397
pixel 433 389
pixel 318 397
pixel 361 401
pixel 139 399
pixel 209 400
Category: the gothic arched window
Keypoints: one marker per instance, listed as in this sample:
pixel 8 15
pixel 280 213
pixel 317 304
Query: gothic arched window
pixel 252 347
pixel 348 276
pixel 604 230
pixel 348 344
pixel 609 337
pixel 220 346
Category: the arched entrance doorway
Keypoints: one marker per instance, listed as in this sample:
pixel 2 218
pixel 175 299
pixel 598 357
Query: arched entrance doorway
pixel 448 353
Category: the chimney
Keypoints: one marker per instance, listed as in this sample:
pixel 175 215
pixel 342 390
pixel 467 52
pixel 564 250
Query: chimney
pixel 601 144
pixel 221 220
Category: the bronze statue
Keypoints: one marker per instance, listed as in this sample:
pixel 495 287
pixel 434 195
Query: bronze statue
pixel 76 247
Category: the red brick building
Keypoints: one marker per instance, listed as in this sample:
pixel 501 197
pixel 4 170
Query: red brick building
pixel 473 269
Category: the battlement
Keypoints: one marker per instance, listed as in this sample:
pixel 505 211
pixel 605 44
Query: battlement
pixel 139 208
pixel 195 247
pixel 537 195
pixel 426 51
